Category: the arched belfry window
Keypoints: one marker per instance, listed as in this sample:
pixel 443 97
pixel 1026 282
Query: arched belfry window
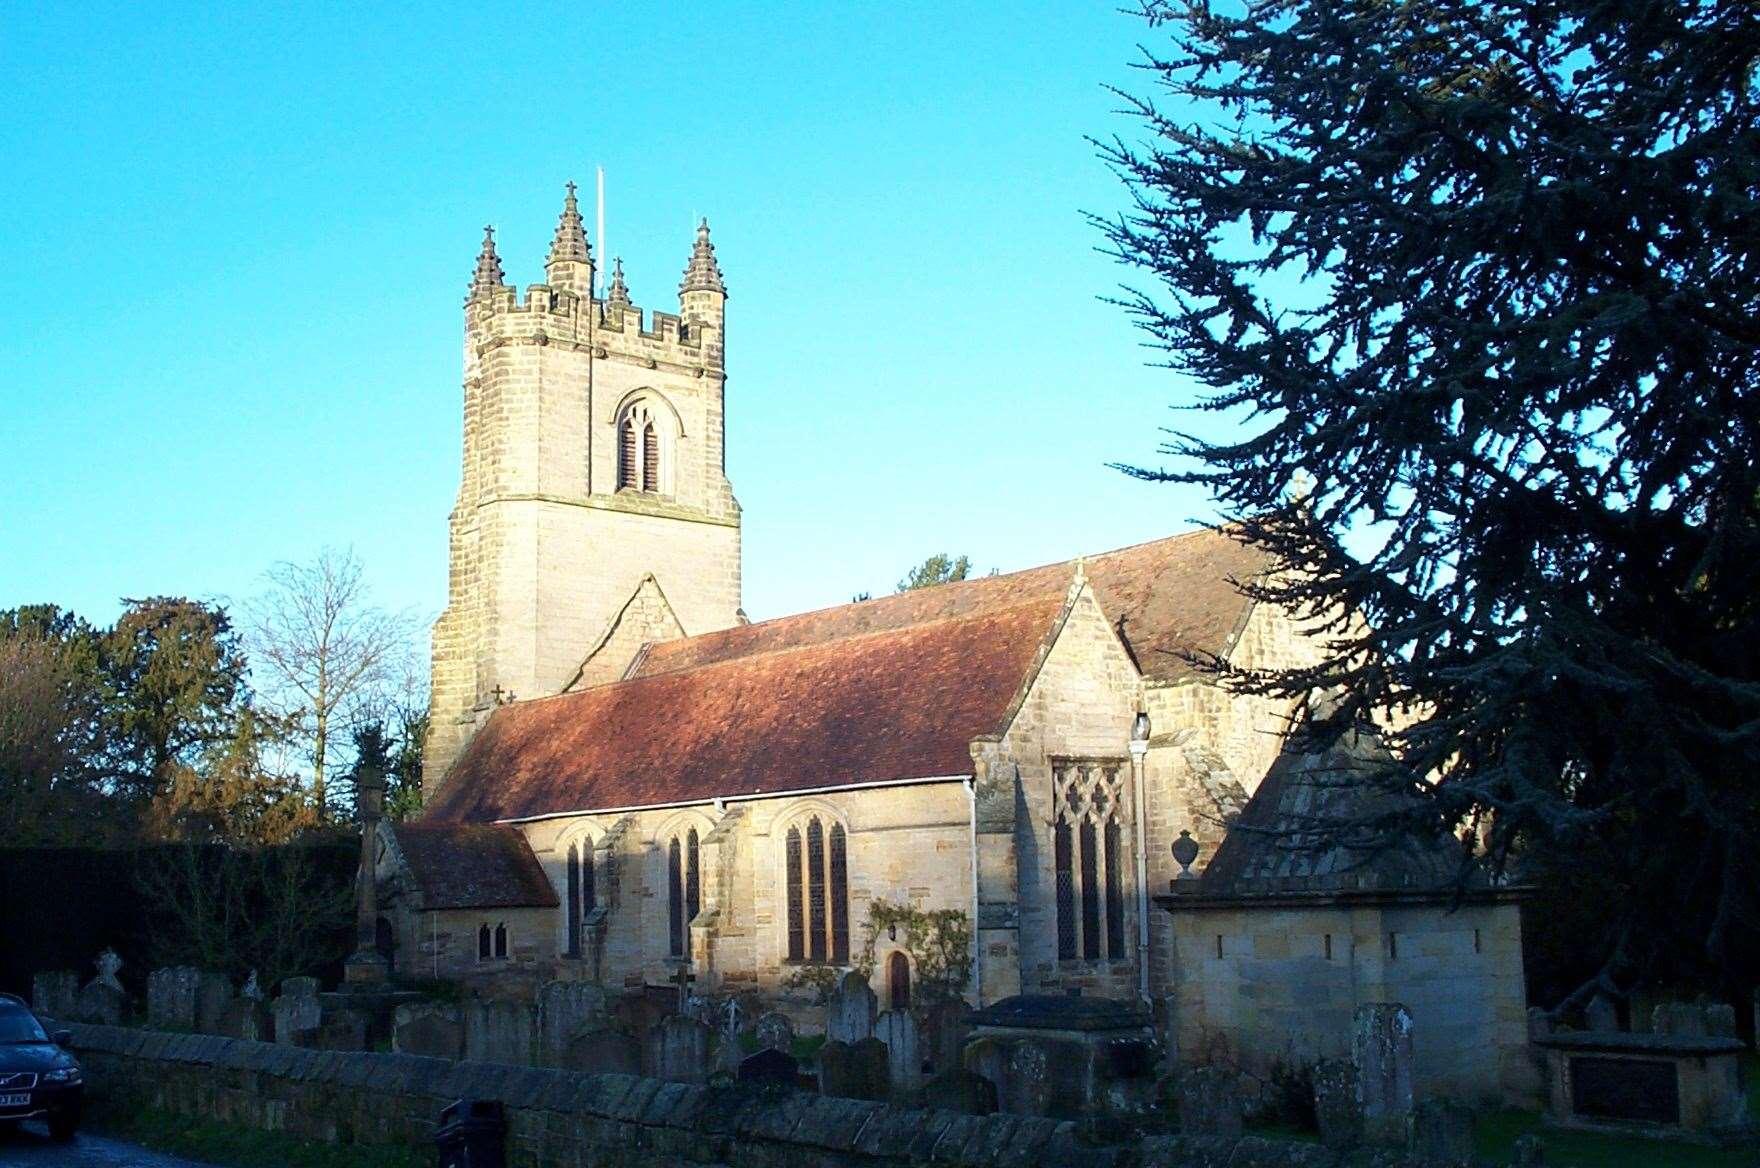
pixel 684 890
pixel 816 887
pixel 643 462
pixel 1088 861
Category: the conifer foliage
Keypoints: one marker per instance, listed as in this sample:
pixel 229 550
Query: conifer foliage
pixel 1485 274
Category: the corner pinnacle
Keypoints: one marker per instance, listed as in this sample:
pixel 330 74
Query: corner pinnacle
pixel 702 274
pixel 619 291
pixel 488 275
pixel 571 237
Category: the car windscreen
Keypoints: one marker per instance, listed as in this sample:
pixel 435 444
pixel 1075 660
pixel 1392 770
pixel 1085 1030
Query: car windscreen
pixel 19 1026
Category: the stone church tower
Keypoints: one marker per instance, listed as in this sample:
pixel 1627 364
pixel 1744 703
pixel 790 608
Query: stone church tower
pixel 594 508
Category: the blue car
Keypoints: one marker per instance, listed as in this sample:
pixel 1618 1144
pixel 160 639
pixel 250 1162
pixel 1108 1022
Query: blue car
pixel 38 1079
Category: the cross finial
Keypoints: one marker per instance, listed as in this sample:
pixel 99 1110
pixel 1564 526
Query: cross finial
pixel 571 188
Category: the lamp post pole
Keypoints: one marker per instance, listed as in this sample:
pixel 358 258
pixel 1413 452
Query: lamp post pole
pixel 367 966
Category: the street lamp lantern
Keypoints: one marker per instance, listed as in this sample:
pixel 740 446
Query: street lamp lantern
pixel 1140 729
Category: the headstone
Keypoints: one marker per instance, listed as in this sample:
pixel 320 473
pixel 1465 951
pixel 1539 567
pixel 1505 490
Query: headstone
pixel 500 1032
pixel 944 1034
pixel 849 1013
pixel 957 1089
pixel 1720 1020
pixel 1679 1020
pixel 1601 1016
pixel 342 1030
pixel 858 1070
pixel 433 1029
pixel 1026 1087
pixel 248 1019
pixel 565 1009
pixel 55 993
pixel 171 997
pixel 99 1002
pixel 1529 1152
pixel 1381 1048
pixel 775 1032
pixel 683 1054
pixel 297 1012
pixel 213 996
pixel 109 965
pixel 769 1067
pixel 898 1030
pixel 1210 1103
pixel 1441 1134
pixel 1336 1110
pixel 251 989
pixel 607 1051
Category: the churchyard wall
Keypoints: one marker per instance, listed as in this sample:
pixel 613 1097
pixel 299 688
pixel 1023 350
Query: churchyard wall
pixel 1256 986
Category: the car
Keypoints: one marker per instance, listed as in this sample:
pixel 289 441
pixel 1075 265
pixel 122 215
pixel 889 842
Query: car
pixel 38 1078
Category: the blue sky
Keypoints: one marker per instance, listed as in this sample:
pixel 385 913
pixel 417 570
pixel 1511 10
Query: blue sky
pixel 239 237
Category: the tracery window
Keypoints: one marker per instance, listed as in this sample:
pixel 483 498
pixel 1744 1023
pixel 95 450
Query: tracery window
pixel 641 449
pixel 1088 860
pixel 816 886
pixel 581 893
pixel 684 889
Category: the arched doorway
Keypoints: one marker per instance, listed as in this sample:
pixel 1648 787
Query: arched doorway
pixel 898 981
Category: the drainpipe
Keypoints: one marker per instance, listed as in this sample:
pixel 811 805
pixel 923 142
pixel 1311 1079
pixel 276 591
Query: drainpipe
pixel 971 786
pixel 1140 748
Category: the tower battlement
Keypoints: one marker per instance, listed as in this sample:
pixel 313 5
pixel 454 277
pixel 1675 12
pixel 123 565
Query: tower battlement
pixel 610 330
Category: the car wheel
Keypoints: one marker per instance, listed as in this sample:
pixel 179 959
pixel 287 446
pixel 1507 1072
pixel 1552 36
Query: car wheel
pixel 62 1127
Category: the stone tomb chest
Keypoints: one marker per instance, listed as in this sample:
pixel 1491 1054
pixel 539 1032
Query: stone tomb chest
pixel 1064 1055
pixel 1662 1083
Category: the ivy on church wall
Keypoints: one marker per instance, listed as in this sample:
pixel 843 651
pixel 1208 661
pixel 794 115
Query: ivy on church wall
pixel 938 942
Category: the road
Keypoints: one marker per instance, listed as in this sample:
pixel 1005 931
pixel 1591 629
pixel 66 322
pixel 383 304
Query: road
pixel 30 1147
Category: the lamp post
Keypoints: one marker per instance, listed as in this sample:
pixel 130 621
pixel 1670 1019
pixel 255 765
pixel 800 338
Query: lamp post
pixel 367 966
pixel 1140 749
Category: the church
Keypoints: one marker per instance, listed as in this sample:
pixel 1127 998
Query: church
pixel 630 783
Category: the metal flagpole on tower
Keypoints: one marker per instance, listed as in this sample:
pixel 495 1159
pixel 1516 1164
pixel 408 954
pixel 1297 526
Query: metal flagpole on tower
pixel 603 254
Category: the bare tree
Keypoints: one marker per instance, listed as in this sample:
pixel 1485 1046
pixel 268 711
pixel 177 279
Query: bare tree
pixel 327 655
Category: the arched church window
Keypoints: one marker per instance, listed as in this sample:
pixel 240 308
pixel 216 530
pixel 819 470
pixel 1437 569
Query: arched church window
pixel 642 448
pixel 684 889
pixel 1088 859
pixel 797 929
pixel 574 901
pixel 483 950
pixel 816 888
pixel 898 981
pixel 501 940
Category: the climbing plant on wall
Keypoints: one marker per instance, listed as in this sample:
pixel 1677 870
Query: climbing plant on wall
pixel 939 943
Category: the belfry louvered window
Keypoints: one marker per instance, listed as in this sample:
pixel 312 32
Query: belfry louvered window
pixel 684 890
pixel 816 888
pixel 641 449
pixel 1088 860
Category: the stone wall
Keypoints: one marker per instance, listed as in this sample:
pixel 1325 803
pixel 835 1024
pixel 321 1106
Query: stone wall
pixel 562 1118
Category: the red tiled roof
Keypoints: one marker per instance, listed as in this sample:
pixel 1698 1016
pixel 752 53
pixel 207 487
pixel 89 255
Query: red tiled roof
pixel 1174 596
pixel 473 865
pixel 903 703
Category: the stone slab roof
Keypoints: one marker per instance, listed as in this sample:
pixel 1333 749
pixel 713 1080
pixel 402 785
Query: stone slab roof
pixel 460 865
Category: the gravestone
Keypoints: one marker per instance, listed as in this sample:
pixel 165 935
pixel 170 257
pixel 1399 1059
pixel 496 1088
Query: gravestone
pixel 565 1009
pixel 1720 1020
pixel 109 965
pixel 1381 1048
pixel 727 1056
pixel 849 1013
pixel 1601 1016
pixel 55 993
pixel 433 1029
pixel 682 1055
pixel 297 1012
pixel 500 1032
pixel 248 1019
pixel 957 1089
pixel 858 1070
pixel 213 997
pixel 342 1030
pixel 171 997
pixel 898 1030
pixel 609 1050
pixel 1210 1103
pixel 100 1002
pixel 944 1034
pixel 1529 1152
pixel 1336 1109
pixel 1441 1134
pixel 250 989
pixel 1026 1086
pixel 1679 1020
pixel 776 1032
pixel 769 1067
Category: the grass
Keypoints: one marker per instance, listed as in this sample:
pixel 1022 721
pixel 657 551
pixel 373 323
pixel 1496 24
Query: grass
pixel 244 1147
